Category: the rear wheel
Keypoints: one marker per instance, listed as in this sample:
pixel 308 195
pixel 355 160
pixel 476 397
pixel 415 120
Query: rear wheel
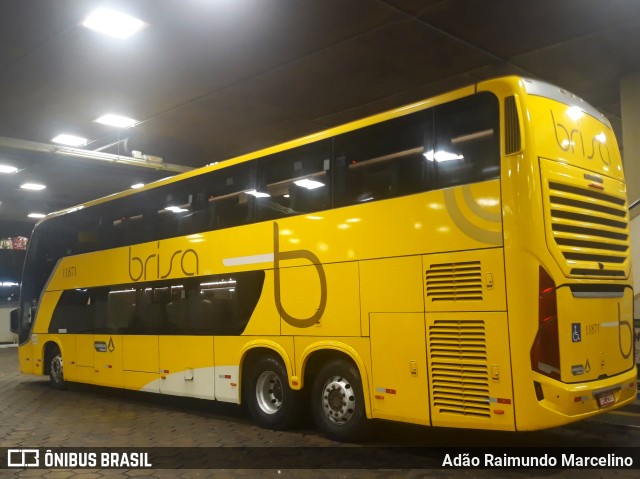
pixel 337 401
pixel 56 370
pixel 271 402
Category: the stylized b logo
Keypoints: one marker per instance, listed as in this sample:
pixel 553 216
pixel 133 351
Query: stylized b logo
pixel 315 261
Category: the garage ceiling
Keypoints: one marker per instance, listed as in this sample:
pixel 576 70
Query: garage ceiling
pixel 211 79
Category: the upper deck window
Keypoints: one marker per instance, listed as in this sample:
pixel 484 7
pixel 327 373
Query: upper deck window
pixel 466 147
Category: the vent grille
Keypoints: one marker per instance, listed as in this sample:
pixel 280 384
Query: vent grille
pixel 512 126
pixel 459 372
pixel 454 281
pixel 591 230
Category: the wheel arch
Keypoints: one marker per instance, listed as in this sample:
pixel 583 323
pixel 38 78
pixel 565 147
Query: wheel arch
pixel 317 354
pixel 48 351
pixel 258 348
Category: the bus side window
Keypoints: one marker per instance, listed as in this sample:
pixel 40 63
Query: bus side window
pixel 294 181
pixel 214 314
pixel 229 203
pixel 72 314
pixel 99 305
pixel 182 209
pixel 122 312
pixel 467 147
pixel 384 160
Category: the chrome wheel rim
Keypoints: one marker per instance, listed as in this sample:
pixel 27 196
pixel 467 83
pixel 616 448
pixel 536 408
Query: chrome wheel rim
pixel 56 369
pixel 269 392
pixel 338 400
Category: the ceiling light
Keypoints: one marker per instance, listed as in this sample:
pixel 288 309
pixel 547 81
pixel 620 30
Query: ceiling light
pixel 113 23
pixel 32 186
pixel 308 184
pixel 70 140
pixel 116 120
pixel 36 215
pixel 258 194
pixel 8 169
pixel 137 185
pixel 176 209
pixel 442 156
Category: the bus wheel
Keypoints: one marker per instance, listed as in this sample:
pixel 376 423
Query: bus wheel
pixel 271 402
pixel 56 372
pixel 337 401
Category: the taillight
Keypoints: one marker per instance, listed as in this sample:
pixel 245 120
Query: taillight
pixel 545 353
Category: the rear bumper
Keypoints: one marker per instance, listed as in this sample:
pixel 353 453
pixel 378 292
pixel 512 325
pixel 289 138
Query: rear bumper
pixel 566 403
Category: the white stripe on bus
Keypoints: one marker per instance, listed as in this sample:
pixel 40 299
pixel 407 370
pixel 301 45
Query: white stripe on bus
pixel 253 259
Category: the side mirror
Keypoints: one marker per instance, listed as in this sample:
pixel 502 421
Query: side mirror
pixel 15 321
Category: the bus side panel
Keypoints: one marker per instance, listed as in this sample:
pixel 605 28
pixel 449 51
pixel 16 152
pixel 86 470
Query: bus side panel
pixel 25 353
pixel 186 365
pixel 391 285
pixel 469 370
pixel 84 358
pixel 140 362
pixel 399 365
pixel 107 360
pixel 467 336
pixel 341 316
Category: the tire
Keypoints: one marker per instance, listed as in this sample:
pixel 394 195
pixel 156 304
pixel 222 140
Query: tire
pixel 271 402
pixel 337 402
pixel 56 370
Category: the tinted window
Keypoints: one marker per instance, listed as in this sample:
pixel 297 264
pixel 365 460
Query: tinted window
pixel 467 147
pixel 383 160
pixel 211 305
pixel 229 204
pixel 81 311
pixel 129 220
pixel 294 181
pixel 181 209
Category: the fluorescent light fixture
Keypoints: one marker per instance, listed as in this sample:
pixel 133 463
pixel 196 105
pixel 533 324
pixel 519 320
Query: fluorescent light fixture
pixel 112 23
pixel 116 120
pixel 8 169
pixel 137 185
pixel 258 194
pixel 308 184
pixel 439 156
pixel 70 140
pixel 32 186
pixel 36 215
pixel 176 209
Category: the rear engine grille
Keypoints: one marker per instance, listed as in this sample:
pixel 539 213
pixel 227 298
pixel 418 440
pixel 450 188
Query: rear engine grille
pixel 459 372
pixel 454 281
pixel 590 229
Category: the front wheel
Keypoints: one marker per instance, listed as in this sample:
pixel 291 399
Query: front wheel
pixel 271 402
pixel 56 371
pixel 337 402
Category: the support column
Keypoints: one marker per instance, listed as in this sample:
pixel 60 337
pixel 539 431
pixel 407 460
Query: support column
pixel 630 102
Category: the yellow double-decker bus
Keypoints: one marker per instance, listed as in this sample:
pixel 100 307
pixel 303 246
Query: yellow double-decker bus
pixel 460 262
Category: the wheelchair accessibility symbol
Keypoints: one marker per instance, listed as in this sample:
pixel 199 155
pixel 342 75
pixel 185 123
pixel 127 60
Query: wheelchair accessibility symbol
pixel 576 333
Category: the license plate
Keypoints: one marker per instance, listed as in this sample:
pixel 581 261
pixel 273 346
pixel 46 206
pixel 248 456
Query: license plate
pixel 606 399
